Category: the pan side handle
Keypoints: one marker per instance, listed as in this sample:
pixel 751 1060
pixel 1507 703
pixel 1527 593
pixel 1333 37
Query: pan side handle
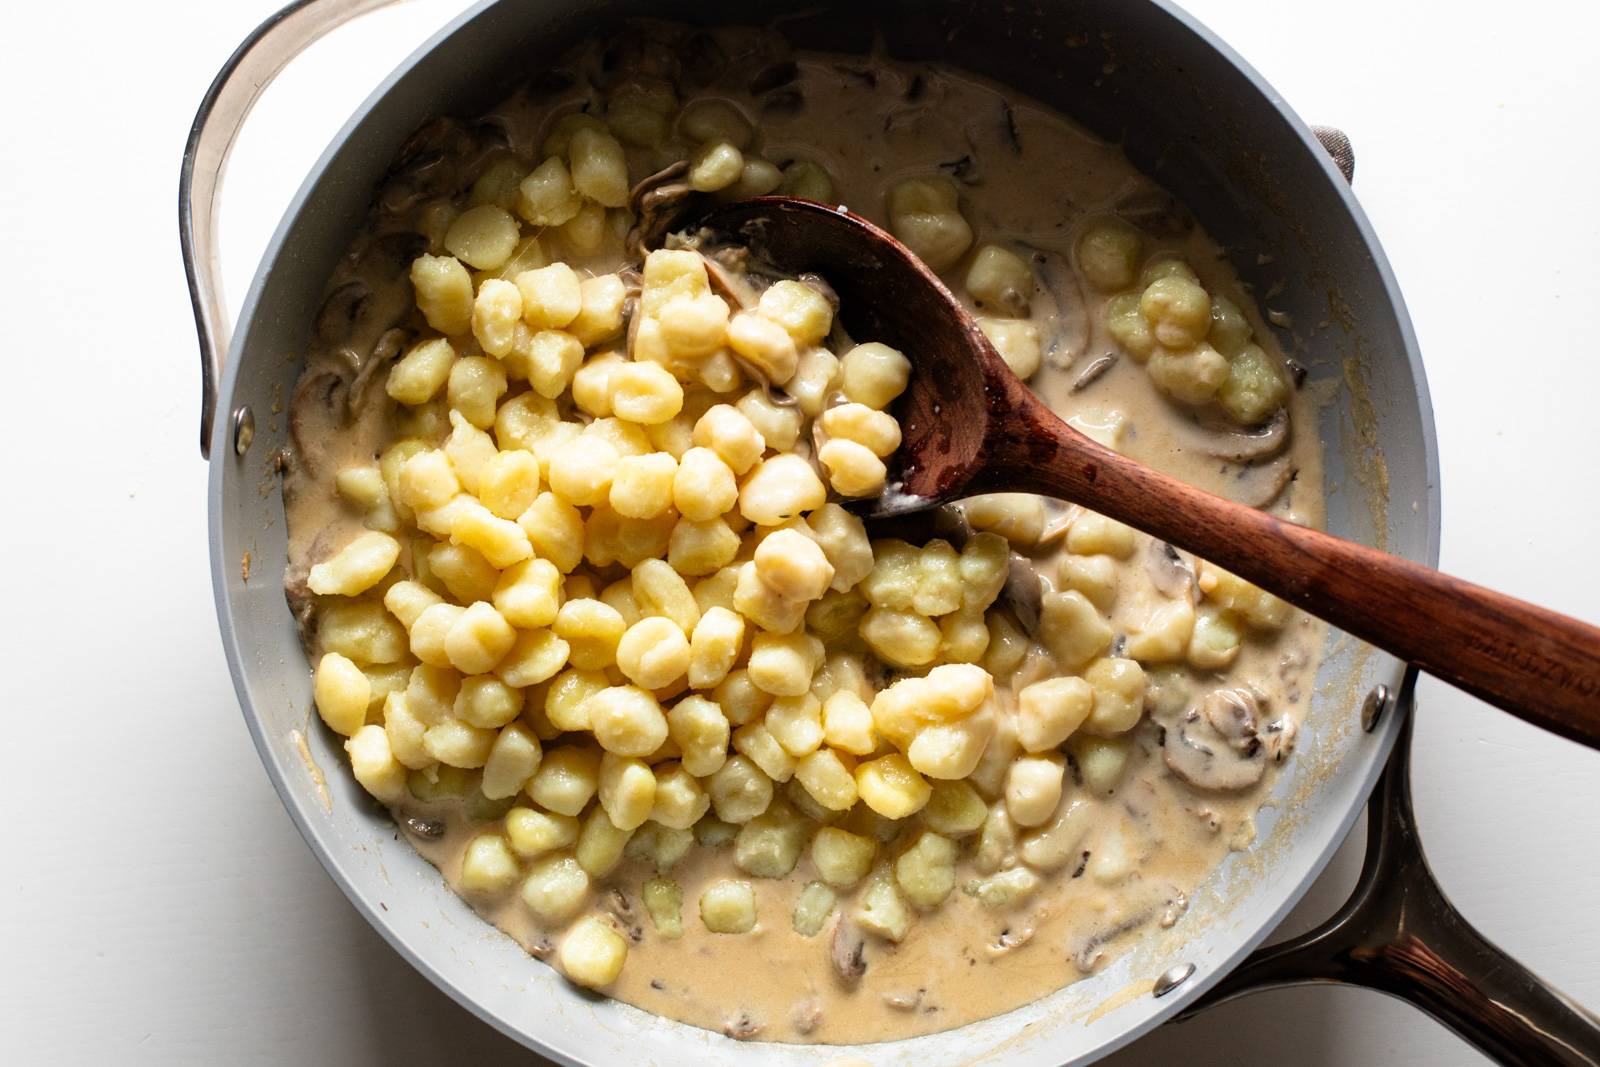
pixel 1399 934
pixel 223 110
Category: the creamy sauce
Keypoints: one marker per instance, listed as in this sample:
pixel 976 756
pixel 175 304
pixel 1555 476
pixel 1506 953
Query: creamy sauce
pixel 1028 176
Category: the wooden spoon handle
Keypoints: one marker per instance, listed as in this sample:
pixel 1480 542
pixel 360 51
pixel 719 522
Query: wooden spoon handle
pixel 1541 666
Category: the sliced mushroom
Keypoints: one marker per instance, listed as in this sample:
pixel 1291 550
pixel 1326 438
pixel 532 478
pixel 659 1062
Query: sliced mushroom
pixel 774 76
pixel 1008 123
pixel 387 348
pixel 1009 940
pixel 428 828
pixel 1233 714
pixel 1257 485
pixel 847 951
pixel 343 309
pixel 1213 438
pixel 1087 953
pixel 1023 593
pixel 657 202
pixel 1139 799
pixel 1058 519
pixel 1070 336
pixel 818 284
pixel 636 52
pixel 703 60
pixel 1156 213
pixel 319 405
pixel 726 268
pixel 302 605
pixel 390 256
pixel 1198 754
pixel 1170 573
pixel 430 164
pixel 948 521
pixel 786 101
pixel 621 909
pixel 1278 738
pixel 1097 366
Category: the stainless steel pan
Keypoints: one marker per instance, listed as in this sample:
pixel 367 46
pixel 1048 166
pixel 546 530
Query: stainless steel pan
pixel 1200 121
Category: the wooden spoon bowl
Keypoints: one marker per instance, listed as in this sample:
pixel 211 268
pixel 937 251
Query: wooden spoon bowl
pixel 971 426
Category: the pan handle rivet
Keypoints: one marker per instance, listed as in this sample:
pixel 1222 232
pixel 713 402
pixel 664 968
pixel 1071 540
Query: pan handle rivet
pixel 1171 979
pixel 1374 706
pixel 244 429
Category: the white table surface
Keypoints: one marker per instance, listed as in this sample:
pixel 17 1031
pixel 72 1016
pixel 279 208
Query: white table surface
pixel 158 906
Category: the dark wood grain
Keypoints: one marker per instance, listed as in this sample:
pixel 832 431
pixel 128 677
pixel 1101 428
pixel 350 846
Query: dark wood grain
pixel 970 426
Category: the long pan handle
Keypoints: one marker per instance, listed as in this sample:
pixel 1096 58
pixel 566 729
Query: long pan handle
pixel 223 110
pixel 1399 934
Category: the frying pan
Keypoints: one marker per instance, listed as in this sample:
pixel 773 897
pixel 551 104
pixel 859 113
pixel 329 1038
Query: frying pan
pixel 1275 193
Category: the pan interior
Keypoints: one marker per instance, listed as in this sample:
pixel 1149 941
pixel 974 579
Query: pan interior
pixel 1138 73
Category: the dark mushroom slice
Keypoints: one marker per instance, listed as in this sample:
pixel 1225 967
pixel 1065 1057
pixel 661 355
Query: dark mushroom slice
pixel 1170 572
pixel 727 268
pixel 657 203
pixel 703 60
pixel 302 605
pixel 428 165
pixel 947 521
pixel 341 313
pixel 1156 213
pixel 1089 951
pixel 1198 754
pixel 847 949
pixel 1008 124
pixel 774 76
pixel 319 406
pixel 1091 373
pixel 963 170
pixel 621 910
pixel 786 101
pixel 1259 485
pixel 1023 593
pixel 1069 337
pixel 389 257
pixel 1211 437
pixel 432 829
pixel 1009 940
pixel 638 52
pixel 384 352
pixel 1233 714
pixel 1278 738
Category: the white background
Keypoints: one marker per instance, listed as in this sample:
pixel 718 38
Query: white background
pixel 157 904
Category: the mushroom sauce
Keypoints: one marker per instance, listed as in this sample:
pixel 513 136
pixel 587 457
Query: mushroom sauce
pixel 1144 817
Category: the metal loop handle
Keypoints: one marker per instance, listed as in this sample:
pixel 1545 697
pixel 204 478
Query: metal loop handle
pixel 234 91
pixel 1399 934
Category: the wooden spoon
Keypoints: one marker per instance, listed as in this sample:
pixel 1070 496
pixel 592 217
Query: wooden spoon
pixel 970 426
